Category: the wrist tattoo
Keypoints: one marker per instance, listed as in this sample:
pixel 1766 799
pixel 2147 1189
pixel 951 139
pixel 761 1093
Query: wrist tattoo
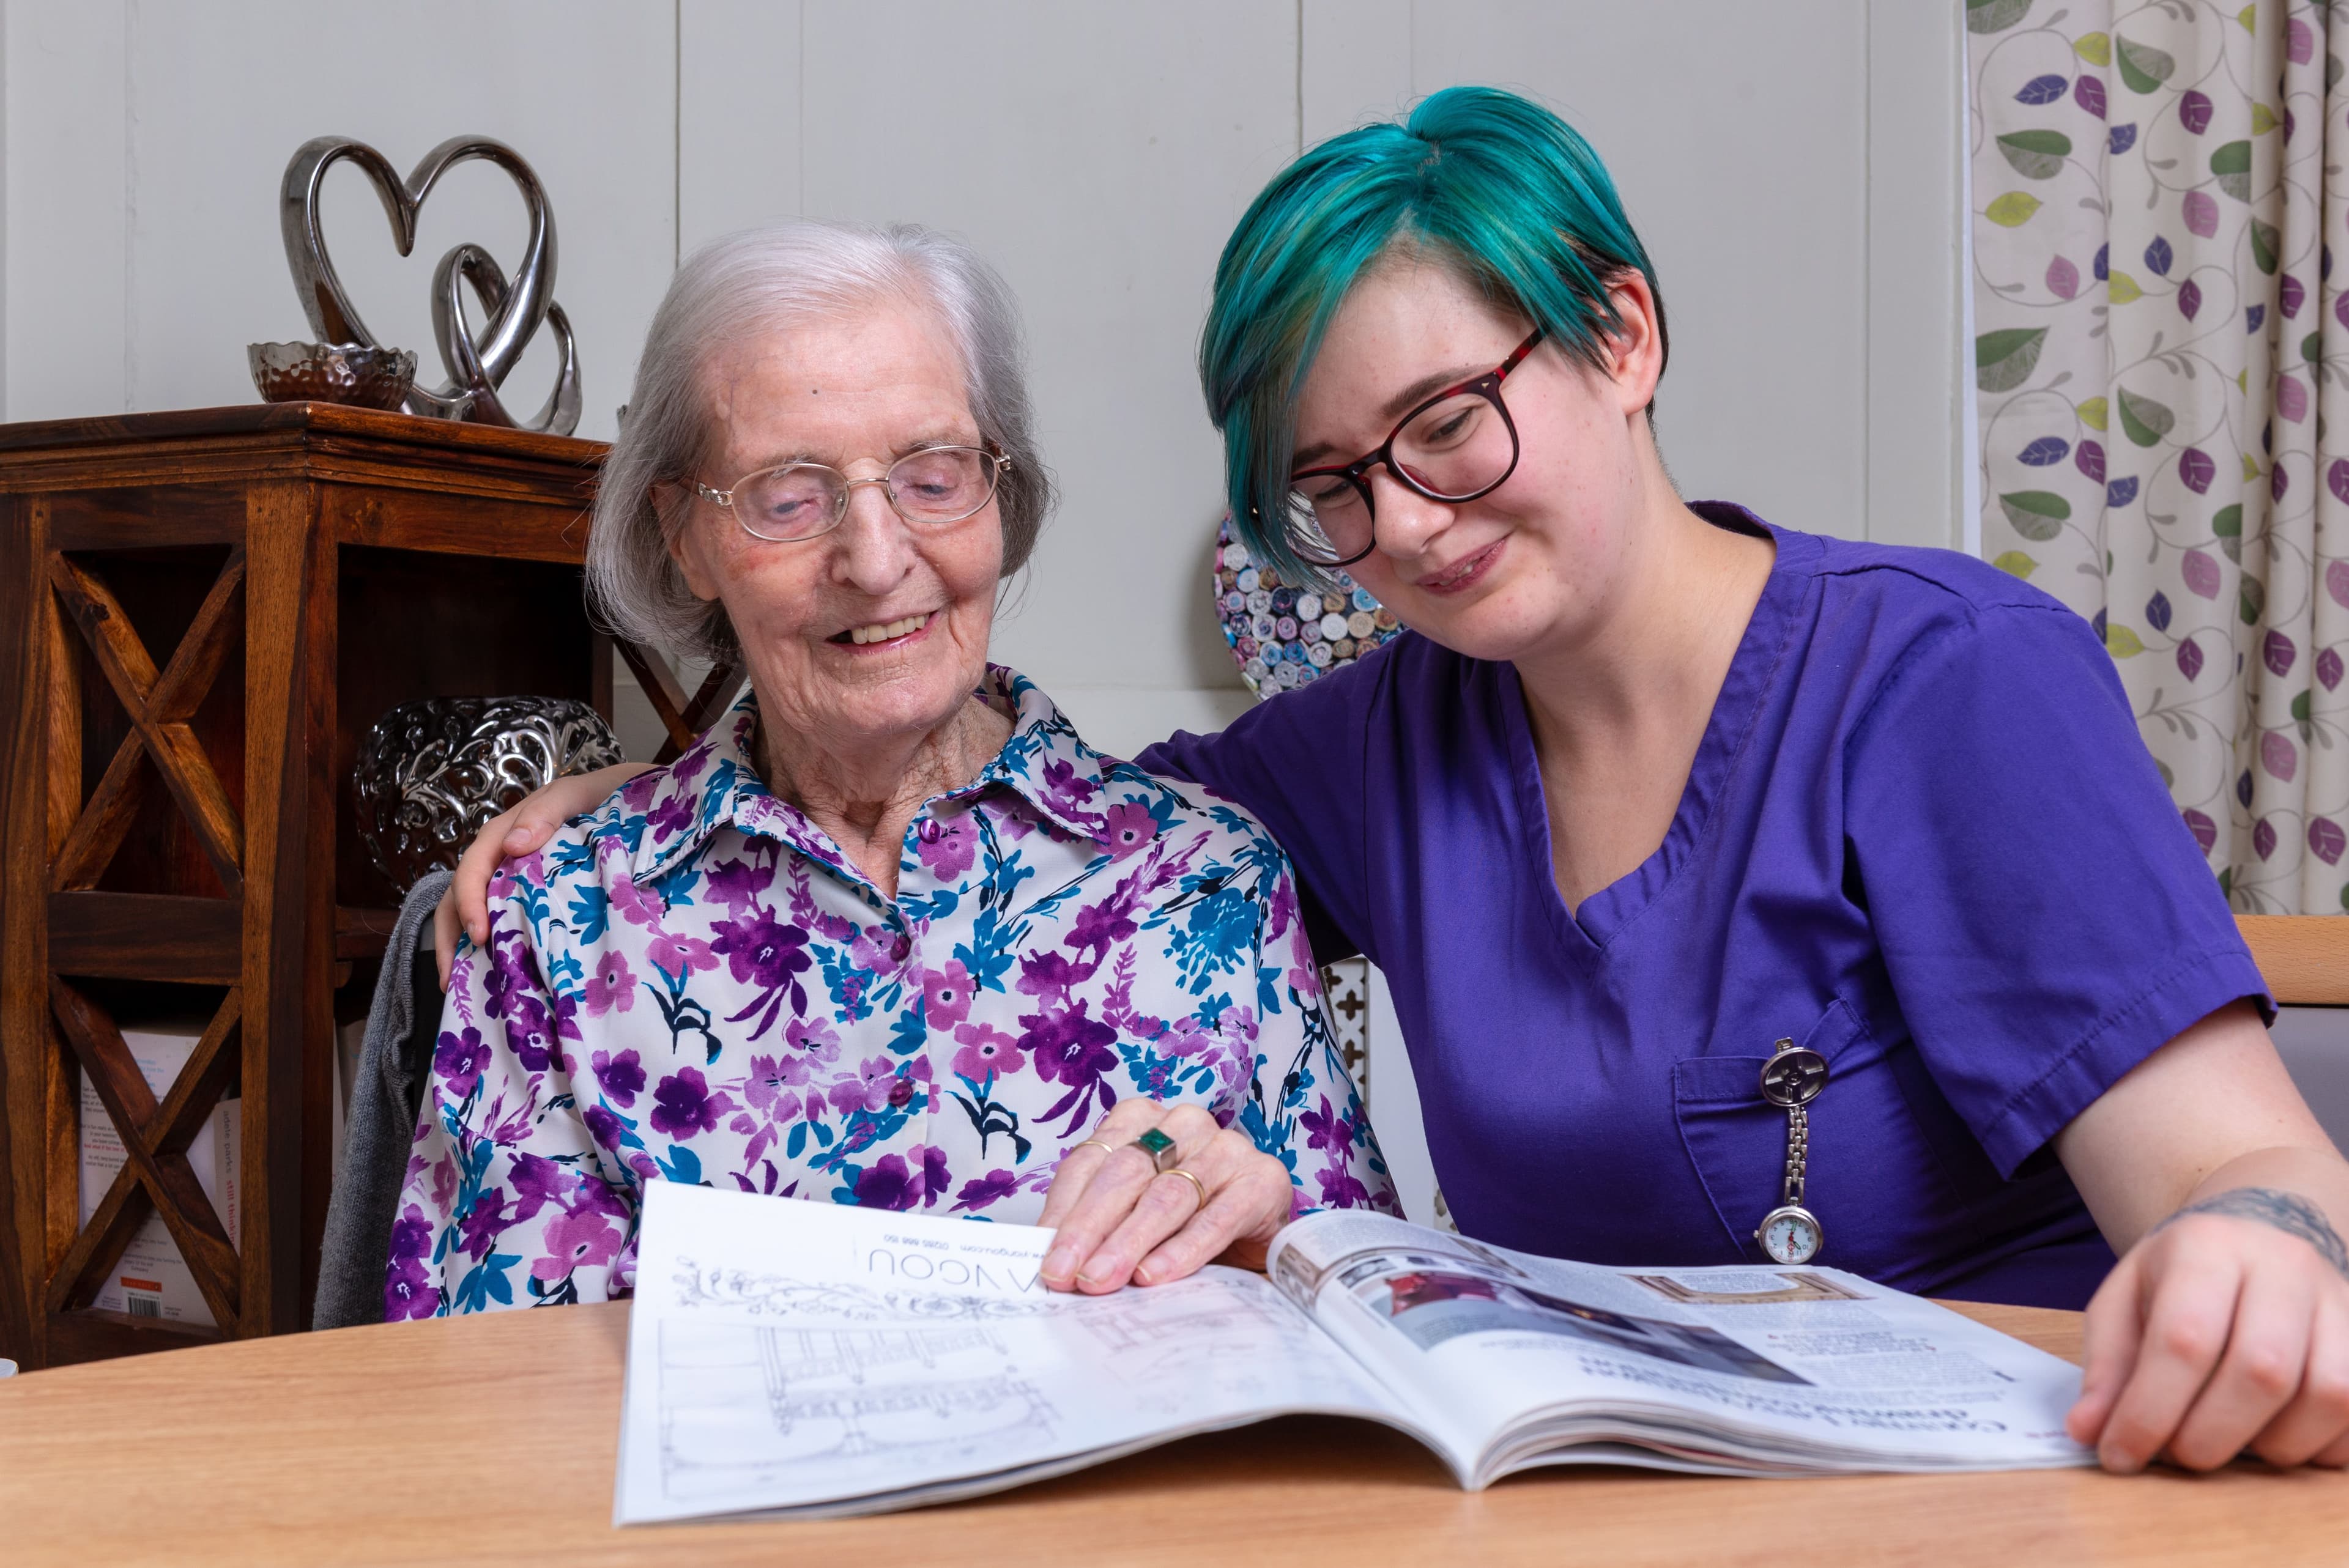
pixel 2287 1211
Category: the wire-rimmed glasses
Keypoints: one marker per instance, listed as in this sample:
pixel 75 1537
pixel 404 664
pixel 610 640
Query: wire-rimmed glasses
pixel 1456 446
pixel 796 501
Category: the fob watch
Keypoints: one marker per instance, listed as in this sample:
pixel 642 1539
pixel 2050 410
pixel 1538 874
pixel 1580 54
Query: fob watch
pixel 1793 1077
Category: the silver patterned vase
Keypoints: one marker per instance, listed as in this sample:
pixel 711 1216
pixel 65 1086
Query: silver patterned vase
pixel 430 774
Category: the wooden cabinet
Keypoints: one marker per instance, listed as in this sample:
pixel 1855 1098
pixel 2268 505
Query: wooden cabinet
pixel 200 613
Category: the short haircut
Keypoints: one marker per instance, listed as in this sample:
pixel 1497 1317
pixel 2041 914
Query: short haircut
pixel 770 279
pixel 1487 184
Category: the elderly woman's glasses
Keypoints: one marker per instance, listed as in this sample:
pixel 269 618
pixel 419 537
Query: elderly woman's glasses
pixel 801 501
pixel 1458 445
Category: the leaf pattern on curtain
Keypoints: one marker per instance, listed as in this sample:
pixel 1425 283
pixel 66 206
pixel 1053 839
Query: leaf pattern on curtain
pixel 2162 368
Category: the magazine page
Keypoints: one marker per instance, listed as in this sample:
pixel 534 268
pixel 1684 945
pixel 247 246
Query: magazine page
pixel 1753 1369
pixel 809 1358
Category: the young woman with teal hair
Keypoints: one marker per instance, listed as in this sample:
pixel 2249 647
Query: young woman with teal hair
pixel 1745 894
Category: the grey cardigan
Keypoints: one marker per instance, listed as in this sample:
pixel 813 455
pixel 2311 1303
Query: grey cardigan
pixel 385 1092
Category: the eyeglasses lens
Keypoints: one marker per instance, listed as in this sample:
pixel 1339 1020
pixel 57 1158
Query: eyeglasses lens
pixel 942 484
pixel 1328 521
pixel 1457 447
pixel 797 503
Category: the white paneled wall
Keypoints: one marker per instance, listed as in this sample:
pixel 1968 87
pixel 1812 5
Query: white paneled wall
pixel 1792 166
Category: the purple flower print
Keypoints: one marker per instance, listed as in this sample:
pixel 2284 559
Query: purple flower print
pixel 479 1228
pixel 673 815
pixel 634 904
pixel 1184 1038
pixel 1125 828
pixel 736 885
pixel 457 1060
pixel 770 1087
pixel 622 1076
pixel 950 854
pixel 583 1240
pixel 637 792
pixel 985 1049
pixel 407 1290
pixel 1066 1046
pixel 1333 1131
pixel 763 952
pixel 868 1089
pixel 678 956
pixel 1103 925
pixel 602 1127
pixel 947 992
pixel 987 1190
pixel 683 1105
pixel 1342 1188
pixel 935 1177
pixel 530 1032
pixel 612 986
pixel 1281 907
pixel 886 1183
pixel 878 950
pixel 816 1039
pixel 1052 976
pixel 1063 788
pixel 538 1182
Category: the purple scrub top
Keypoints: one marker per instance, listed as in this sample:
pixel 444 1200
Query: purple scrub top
pixel 1921 835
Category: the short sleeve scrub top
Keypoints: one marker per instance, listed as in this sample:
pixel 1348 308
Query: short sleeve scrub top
pixel 1921 835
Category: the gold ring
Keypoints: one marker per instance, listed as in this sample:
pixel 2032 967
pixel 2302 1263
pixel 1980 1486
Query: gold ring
pixel 1092 1143
pixel 1196 1185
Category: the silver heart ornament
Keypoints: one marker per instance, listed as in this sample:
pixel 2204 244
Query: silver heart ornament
pixel 512 313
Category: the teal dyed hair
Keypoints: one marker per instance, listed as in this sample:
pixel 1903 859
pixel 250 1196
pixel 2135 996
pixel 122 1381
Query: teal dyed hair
pixel 1484 182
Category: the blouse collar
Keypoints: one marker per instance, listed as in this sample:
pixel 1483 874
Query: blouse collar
pixel 716 783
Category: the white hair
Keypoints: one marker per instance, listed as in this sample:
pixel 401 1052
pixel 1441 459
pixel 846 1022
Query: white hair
pixel 761 280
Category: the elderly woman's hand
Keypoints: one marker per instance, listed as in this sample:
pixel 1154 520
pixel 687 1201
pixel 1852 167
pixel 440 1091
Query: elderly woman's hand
pixel 514 832
pixel 1119 1218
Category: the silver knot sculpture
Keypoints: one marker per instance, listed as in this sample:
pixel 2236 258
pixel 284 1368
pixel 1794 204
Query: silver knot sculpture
pixel 431 774
pixel 512 311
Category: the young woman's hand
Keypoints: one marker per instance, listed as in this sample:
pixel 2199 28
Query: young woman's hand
pixel 515 833
pixel 2224 1330
pixel 1121 1218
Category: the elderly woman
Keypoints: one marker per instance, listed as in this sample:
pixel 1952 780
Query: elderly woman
pixel 889 934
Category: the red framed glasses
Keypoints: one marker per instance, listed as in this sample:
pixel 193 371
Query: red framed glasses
pixel 1456 446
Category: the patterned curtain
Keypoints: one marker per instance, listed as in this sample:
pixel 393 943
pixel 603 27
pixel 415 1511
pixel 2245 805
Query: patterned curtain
pixel 2162 369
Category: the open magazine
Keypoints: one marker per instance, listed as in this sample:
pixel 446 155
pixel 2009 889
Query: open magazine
pixel 802 1359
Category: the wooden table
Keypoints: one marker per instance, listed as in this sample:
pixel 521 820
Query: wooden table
pixel 491 1440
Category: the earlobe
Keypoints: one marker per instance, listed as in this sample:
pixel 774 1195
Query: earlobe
pixel 1634 354
pixel 683 540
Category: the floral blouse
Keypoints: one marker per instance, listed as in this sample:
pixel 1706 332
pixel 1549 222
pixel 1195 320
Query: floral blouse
pixel 694 984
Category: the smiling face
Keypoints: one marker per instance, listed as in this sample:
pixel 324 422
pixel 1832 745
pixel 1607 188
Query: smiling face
pixel 876 633
pixel 1534 565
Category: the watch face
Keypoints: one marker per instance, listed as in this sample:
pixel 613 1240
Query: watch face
pixel 1790 1235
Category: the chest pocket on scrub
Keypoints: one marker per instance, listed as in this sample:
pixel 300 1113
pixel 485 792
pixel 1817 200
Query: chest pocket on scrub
pixel 1875 1181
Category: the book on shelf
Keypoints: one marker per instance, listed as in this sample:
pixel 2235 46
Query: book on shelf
pixel 798 1359
pixel 151 1279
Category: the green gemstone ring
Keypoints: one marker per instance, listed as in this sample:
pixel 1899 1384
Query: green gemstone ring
pixel 1160 1148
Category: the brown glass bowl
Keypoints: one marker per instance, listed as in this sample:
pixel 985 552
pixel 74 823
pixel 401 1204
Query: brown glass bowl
pixel 350 373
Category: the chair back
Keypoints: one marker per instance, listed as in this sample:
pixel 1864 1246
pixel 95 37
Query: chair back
pixel 2304 957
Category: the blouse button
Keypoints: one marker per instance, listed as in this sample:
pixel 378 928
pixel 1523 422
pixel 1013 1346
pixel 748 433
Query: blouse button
pixel 900 947
pixel 900 1093
pixel 929 830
